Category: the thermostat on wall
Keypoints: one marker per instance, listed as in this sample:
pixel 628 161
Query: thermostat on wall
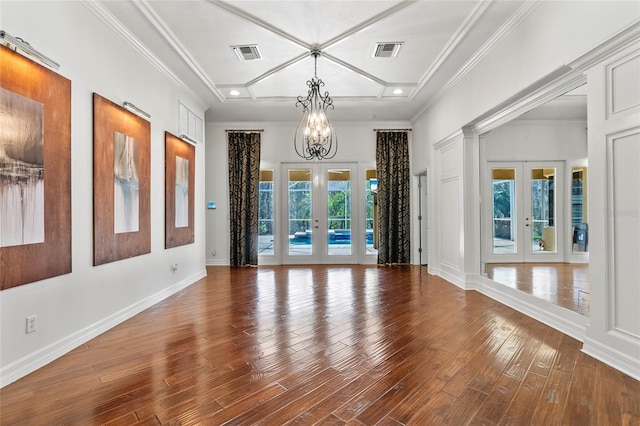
pixel 211 205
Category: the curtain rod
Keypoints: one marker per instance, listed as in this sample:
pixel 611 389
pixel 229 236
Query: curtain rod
pixel 243 130
pixel 392 130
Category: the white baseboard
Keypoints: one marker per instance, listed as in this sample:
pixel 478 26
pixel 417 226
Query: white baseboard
pixel 563 320
pixel 568 322
pixel 35 360
pixel 612 357
pixel 217 262
pixel 448 274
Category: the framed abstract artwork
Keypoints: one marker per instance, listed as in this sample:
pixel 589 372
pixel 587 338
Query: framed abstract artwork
pixel 179 191
pixel 35 171
pixel 121 183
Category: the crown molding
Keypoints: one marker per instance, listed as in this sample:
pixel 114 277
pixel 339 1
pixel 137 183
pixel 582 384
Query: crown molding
pixel 449 140
pixel 540 95
pixel 366 24
pixel 259 22
pixel 628 36
pixel 116 26
pixel 455 40
pixel 157 22
pixel 514 21
pixel 566 78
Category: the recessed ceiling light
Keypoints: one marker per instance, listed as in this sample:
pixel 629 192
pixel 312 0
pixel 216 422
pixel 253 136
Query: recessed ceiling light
pixel 234 92
pixel 398 92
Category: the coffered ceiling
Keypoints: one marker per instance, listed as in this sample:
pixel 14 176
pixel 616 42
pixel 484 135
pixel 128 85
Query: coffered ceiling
pixel 440 40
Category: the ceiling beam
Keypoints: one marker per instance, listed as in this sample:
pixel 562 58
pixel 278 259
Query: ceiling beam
pixel 257 21
pixel 366 24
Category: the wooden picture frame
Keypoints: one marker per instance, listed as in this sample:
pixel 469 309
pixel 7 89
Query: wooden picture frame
pixel 120 133
pixel 49 254
pixel 179 191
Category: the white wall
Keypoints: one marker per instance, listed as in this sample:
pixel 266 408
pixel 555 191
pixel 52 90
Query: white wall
pixel 80 305
pixel 356 143
pixel 555 35
pixel 536 140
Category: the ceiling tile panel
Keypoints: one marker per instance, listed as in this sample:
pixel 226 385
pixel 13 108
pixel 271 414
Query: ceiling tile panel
pixel 208 32
pixel 424 27
pixel 315 22
pixel 193 39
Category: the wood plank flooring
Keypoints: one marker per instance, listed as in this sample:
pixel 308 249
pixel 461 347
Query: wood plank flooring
pixel 330 345
pixel 563 284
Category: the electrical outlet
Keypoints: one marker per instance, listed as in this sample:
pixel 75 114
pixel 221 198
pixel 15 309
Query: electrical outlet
pixel 32 323
pixel 213 252
pixel 174 267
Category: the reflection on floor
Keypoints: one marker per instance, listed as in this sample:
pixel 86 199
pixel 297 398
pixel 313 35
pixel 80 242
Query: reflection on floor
pixel 563 284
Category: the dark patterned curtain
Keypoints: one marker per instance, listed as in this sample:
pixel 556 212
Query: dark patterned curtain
pixel 244 177
pixel 392 170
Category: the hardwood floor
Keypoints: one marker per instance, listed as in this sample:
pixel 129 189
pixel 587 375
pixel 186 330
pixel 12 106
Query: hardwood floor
pixel 563 284
pixel 325 345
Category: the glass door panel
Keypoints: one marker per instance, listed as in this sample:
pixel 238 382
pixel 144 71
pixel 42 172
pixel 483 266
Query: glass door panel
pixel 523 219
pixel 504 229
pixel 542 236
pixel 266 213
pixel 319 214
pixel 579 215
pixel 300 208
pixel 338 211
pixel 544 219
pixel 371 218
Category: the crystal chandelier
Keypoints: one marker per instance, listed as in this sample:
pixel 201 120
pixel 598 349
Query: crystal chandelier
pixel 315 137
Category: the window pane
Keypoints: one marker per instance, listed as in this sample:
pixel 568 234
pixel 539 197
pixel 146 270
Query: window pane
pixel 299 184
pixel 504 198
pixel 266 213
pixel 339 212
pixel 371 190
pixel 579 218
pixel 543 236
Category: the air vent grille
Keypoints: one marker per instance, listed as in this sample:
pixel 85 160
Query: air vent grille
pixel 248 52
pixel 387 50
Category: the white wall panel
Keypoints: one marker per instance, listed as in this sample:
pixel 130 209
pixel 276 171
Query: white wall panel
pixel 624 229
pixel 613 334
pixel 449 216
pixel 451 223
pixel 451 160
pixel 624 85
pixel 536 141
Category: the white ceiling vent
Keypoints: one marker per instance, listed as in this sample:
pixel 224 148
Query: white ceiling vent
pixel 248 52
pixel 387 50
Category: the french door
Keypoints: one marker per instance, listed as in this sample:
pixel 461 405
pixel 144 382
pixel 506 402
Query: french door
pixel 321 221
pixel 524 212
